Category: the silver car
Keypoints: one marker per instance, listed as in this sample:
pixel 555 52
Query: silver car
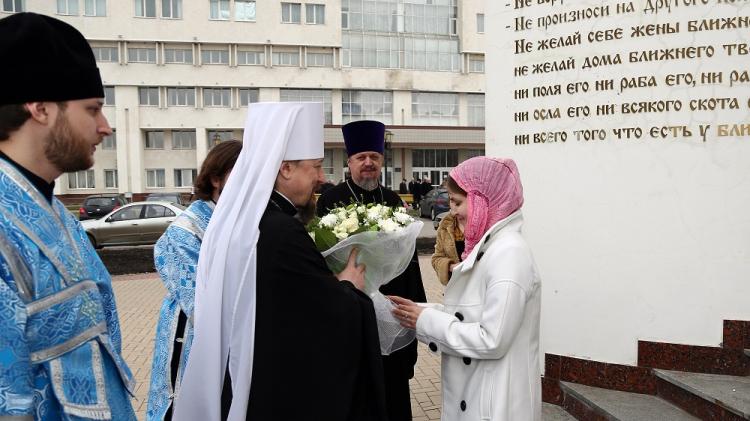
pixel 131 225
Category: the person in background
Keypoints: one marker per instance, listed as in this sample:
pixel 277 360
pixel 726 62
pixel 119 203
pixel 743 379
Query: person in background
pixel 416 192
pixel 176 260
pixel 449 244
pixel 487 330
pixel 60 338
pixel 402 188
pixel 426 186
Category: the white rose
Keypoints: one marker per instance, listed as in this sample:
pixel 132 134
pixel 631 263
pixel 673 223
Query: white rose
pixel 402 218
pixel 350 225
pixel 341 235
pixel 341 215
pixel 329 220
pixel 361 210
pixel 388 225
pixel 373 214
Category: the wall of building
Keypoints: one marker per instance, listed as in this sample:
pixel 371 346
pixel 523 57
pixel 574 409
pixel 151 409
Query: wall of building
pixel 636 238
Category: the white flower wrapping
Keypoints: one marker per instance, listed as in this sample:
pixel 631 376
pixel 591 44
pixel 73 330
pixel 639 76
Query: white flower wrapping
pixel 386 239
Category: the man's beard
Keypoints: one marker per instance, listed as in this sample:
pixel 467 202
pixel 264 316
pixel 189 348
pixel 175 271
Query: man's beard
pixel 66 150
pixel 368 184
pixel 306 212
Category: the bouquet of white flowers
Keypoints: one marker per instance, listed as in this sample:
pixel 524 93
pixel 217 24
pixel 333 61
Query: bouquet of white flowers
pixel 386 238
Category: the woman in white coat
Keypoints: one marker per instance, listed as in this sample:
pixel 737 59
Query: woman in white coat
pixel 487 330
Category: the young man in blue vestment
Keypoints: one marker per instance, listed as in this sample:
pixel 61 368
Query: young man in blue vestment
pixel 59 333
pixel 176 259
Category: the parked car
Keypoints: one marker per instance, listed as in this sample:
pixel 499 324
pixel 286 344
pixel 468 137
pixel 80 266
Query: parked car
pixel 434 202
pixel 98 205
pixel 135 224
pixel 166 197
pixel 438 219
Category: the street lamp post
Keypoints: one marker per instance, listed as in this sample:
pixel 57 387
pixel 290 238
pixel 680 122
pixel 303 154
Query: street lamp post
pixel 388 139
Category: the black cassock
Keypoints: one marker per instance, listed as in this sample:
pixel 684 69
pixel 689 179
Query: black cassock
pixel 399 366
pixel 316 341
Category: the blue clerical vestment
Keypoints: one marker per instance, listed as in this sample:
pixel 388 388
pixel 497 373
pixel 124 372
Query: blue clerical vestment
pixel 176 259
pixel 59 333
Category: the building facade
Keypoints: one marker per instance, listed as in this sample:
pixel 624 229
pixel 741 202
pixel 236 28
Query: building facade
pixel 180 74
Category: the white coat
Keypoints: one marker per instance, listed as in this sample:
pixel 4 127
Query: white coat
pixel 488 331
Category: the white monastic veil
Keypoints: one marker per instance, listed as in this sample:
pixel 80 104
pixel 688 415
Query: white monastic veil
pixel 225 284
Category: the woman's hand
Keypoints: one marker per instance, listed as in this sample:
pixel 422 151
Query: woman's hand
pixel 406 311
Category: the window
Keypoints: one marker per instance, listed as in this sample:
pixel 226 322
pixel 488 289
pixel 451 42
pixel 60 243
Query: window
pixel 109 143
pixel 320 59
pixel 476 64
pixel 315 14
pixel 110 179
pixel 480 23
pixel 251 58
pixel 471 153
pixel 155 178
pixel 244 10
pixel 367 105
pixel 158 211
pixel 217 136
pixel 142 55
pixel 215 57
pixel 219 9
pixel 171 9
pixel 154 140
pixel 109 95
pixel 148 96
pixel 217 97
pixel 328 163
pixel 291 12
pixel 248 96
pixel 178 55
pixel 184 177
pixel 476 110
pixel 13 6
pixel 183 139
pixel 95 7
pixel 434 109
pixel 145 8
pixel 310 95
pixel 431 158
pixel 127 214
pixel 105 54
pixel 285 59
pixel 180 97
pixel 67 7
pixel 81 179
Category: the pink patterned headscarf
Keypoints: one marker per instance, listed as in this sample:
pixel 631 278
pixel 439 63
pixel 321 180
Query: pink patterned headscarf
pixel 493 192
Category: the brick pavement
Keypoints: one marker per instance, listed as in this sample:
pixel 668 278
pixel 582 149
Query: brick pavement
pixel 139 299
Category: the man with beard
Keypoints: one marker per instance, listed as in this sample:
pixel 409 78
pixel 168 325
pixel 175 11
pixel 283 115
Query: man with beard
pixel 364 142
pixel 59 333
pixel 176 259
pixel 266 305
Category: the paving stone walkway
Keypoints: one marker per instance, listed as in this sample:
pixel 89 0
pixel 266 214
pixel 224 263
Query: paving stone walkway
pixel 139 298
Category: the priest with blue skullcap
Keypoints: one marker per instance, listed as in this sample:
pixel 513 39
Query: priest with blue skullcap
pixel 365 142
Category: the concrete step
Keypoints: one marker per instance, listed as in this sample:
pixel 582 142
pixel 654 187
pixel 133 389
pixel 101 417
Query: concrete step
pixel 729 392
pixel 555 413
pixel 624 406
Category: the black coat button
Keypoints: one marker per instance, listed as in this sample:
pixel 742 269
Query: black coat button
pixel 487 238
pixel 433 347
pixel 479 256
pixel 463 405
pixel 459 316
pixel 467 360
